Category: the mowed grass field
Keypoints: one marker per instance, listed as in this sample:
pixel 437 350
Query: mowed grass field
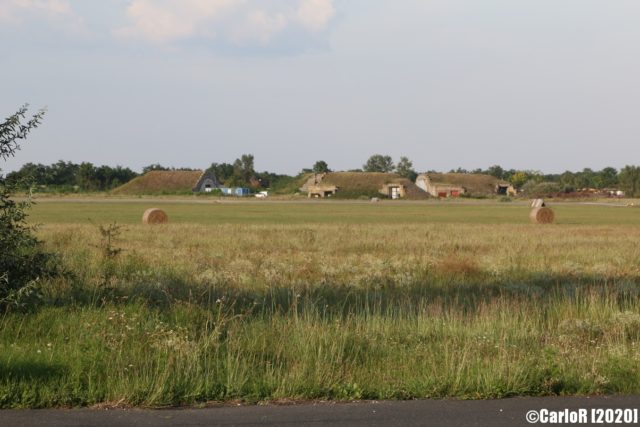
pixel 257 301
pixel 324 212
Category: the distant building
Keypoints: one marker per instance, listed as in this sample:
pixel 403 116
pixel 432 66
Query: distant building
pixel 321 190
pixel 457 184
pixel 235 191
pixel 359 184
pixel 394 190
pixel 168 182
pixel 206 183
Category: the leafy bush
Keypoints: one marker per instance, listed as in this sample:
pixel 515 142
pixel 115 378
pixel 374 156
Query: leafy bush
pixel 540 189
pixel 23 261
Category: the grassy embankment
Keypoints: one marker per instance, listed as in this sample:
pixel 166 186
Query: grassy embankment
pixel 329 300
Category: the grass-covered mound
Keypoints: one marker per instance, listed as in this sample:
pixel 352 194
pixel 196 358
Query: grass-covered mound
pixel 160 182
pixel 357 184
pixel 475 184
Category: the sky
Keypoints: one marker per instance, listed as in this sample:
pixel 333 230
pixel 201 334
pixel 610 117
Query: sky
pixel 547 85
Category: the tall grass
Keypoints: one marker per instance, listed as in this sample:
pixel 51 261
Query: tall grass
pixel 139 355
pixel 188 314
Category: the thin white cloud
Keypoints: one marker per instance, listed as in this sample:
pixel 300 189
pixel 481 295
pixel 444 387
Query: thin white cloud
pixel 169 20
pixel 238 21
pixel 315 14
pixel 259 27
pixel 54 11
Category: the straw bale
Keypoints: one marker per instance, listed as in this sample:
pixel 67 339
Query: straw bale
pixel 542 216
pixel 154 216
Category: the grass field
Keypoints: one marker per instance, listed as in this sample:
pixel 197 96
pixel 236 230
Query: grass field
pixel 323 212
pixel 327 300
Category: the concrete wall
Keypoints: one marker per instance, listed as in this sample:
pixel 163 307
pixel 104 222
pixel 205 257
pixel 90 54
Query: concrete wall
pixel 424 183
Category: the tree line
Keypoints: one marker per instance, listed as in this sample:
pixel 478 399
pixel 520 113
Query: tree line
pixel 627 179
pixel 86 176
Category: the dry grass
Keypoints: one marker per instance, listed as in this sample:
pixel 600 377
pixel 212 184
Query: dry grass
pixel 264 255
pixel 388 305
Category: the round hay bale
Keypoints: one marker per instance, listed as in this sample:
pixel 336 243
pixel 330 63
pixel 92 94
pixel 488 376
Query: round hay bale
pixel 154 216
pixel 542 216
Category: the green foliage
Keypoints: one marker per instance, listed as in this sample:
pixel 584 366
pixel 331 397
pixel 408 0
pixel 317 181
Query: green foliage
pixel 243 172
pixel 540 189
pixel 222 171
pixel 608 177
pixel 569 181
pixel 379 163
pixel 154 167
pixel 519 178
pixel 159 167
pixel 588 178
pixel 321 167
pixel 13 130
pixel 404 168
pixel 70 177
pixel 433 335
pixel 280 184
pixel 109 234
pixel 496 171
pixel 23 262
pixel 630 180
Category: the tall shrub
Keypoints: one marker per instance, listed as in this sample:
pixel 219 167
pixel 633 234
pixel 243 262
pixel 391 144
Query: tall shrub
pixel 23 262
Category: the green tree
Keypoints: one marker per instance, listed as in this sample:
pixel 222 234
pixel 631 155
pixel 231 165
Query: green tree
pixel 568 181
pixel 541 189
pixel 321 167
pixel 23 261
pixel 496 171
pixel 518 179
pixel 459 170
pixel 243 171
pixel 378 163
pixel 62 173
pixel 154 167
pixel 222 171
pixel 404 168
pixel 629 179
pixel 608 177
pixel 86 177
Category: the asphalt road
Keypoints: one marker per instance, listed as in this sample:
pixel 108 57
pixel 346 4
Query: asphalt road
pixel 497 413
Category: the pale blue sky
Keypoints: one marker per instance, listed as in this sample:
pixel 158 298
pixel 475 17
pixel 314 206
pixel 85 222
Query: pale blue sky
pixel 530 84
